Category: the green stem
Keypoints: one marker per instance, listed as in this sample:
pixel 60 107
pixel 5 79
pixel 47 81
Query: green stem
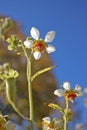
pixel 65 115
pixel 30 93
pixel 29 86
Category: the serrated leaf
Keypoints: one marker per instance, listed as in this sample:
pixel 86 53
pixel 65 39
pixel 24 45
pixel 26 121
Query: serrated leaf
pixel 41 72
pixel 55 106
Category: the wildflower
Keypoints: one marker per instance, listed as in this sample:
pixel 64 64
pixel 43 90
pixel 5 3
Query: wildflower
pixel 47 125
pixel 69 93
pixel 54 124
pixel 39 45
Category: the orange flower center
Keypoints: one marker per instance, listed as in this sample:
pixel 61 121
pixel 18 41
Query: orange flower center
pixel 39 46
pixel 71 95
pixel 51 126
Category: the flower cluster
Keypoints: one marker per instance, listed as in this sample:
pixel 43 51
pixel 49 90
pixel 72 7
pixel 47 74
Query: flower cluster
pixel 39 45
pixel 69 93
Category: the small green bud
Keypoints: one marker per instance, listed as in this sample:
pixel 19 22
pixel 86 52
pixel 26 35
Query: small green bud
pixel 14 42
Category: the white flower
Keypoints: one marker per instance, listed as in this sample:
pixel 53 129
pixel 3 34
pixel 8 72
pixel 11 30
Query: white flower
pixel 68 92
pixel 47 119
pixel 47 124
pixel 38 44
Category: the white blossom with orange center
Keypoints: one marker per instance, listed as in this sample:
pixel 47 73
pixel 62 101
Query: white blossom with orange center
pixel 69 93
pixel 47 125
pixel 38 44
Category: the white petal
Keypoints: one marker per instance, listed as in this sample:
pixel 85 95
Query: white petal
pixel 50 49
pixel 47 119
pixel 29 43
pixel 78 88
pixel 79 94
pixel 50 36
pixel 35 33
pixel 37 55
pixel 66 85
pixel 59 92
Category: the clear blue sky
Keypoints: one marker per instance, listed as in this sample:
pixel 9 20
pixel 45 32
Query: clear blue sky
pixel 69 19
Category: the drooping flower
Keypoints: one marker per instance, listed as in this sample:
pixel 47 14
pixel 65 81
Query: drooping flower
pixel 38 44
pixel 52 124
pixel 69 93
pixel 47 125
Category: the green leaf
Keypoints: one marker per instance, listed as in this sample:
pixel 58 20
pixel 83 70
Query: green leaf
pixel 10 89
pixel 41 72
pixel 55 106
pixel 11 95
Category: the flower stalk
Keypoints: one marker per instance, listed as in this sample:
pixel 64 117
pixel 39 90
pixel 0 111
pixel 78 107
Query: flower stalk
pixel 30 93
pixel 65 115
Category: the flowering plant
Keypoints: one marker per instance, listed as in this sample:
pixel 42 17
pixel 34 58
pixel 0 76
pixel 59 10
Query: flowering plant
pixel 33 48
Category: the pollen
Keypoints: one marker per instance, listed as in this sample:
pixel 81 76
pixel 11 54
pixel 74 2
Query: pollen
pixel 71 95
pixel 39 46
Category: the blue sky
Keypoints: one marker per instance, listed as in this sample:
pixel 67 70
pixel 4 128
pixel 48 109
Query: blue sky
pixel 69 19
